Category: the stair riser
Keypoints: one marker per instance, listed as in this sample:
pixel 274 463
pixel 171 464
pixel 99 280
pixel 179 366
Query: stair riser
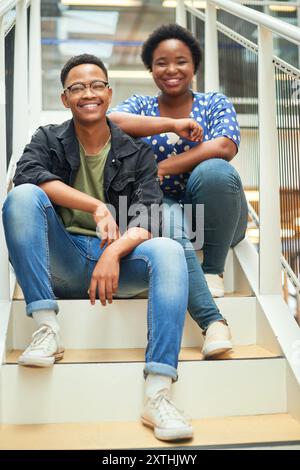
pixel 124 324
pixel 114 392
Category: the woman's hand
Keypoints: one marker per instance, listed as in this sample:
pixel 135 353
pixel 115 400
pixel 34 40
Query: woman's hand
pixel 105 277
pixel 165 167
pixel 189 129
pixel 106 225
pixel 160 172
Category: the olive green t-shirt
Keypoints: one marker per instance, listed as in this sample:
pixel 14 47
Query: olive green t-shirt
pixel 89 180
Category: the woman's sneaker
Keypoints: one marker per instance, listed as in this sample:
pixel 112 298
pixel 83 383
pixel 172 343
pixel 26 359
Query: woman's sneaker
pixel 168 422
pixel 44 350
pixel 215 284
pixel 217 339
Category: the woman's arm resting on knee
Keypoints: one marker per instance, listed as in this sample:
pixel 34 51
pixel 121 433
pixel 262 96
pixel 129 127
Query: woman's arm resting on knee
pixel 221 147
pixel 142 126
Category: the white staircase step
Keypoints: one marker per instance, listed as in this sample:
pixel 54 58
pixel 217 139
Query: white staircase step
pixel 114 391
pixel 92 356
pixel 216 432
pixel 123 324
pixel 246 431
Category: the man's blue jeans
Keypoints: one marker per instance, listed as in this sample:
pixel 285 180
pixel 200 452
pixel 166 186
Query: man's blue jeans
pixel 216 184
pixel 49 262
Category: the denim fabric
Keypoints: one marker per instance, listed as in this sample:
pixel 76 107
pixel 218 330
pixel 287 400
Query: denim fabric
pixel 51 263
pixel 201 305
pixel 217 185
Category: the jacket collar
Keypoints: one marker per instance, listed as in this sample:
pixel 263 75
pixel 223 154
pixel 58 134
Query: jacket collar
pixel 66 133
pixel 66 130
pixel 122 145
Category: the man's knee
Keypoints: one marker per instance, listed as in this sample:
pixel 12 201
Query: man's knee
pixel 165 250
pixel 22 197
pixel 21 204
pixel 168 264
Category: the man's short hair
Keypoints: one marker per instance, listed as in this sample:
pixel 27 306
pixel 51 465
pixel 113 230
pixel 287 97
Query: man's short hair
pixel 170 31
pixel 78 60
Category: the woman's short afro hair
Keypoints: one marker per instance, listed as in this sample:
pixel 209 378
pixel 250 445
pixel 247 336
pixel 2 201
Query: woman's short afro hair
pixel 170 31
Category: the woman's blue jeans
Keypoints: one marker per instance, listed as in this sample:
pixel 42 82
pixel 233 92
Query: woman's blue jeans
pixel 51 263
pixel 216 184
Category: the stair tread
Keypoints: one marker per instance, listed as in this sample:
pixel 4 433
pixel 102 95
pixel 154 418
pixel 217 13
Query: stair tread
pixel 18 295
pixel 277 428
pixel 252 351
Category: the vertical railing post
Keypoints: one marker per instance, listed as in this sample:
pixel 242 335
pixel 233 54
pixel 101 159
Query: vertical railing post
pixel 194 33
pixel 298 308
pixel 193 25
pixel 181 13
pixel 35 65
pixel 269 204
pixel 211 50
pixel 298 24
pixel 21 115
pixel 4 271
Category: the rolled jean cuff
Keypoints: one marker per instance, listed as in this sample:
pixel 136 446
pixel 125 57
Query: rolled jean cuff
pixel 49 304
pixel 214 321
pixel 161 369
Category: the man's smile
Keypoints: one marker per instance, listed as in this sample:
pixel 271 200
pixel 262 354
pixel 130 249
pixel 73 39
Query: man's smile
pixel 89 105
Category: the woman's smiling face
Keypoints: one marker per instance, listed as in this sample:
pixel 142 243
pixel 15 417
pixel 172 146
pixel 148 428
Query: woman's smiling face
pixel 173 67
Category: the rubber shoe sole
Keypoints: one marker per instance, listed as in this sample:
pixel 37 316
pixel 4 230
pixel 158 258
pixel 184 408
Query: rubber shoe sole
pixel 30 361
pixel 216 348
pixel 175 434
pixel 217 293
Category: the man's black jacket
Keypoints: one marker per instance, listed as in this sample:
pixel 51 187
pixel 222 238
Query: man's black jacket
pixel 130 170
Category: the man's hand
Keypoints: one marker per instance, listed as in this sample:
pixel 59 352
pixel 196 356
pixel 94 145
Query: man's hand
pixel 189 129
pixel 106 225
pixel 105 277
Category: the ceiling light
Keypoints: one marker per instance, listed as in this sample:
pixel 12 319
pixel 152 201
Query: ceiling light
pixel 102 3
pixel 283 8
pixel 195 4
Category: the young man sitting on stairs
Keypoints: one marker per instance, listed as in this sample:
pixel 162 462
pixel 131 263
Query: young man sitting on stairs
pixel 66 179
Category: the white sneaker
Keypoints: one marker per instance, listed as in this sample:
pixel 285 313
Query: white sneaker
pixel 168 422
pixel 44 350
pixel 215 284
pixel 217 339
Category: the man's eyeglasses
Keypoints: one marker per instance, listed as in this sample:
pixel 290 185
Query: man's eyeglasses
pixel 97 86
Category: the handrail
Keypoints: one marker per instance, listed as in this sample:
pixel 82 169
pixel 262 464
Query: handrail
pixel 288 68
pixel 277 26
pixel 6 5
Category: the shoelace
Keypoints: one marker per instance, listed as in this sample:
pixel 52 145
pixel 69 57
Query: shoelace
pixel 166 408
pixel 43 336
